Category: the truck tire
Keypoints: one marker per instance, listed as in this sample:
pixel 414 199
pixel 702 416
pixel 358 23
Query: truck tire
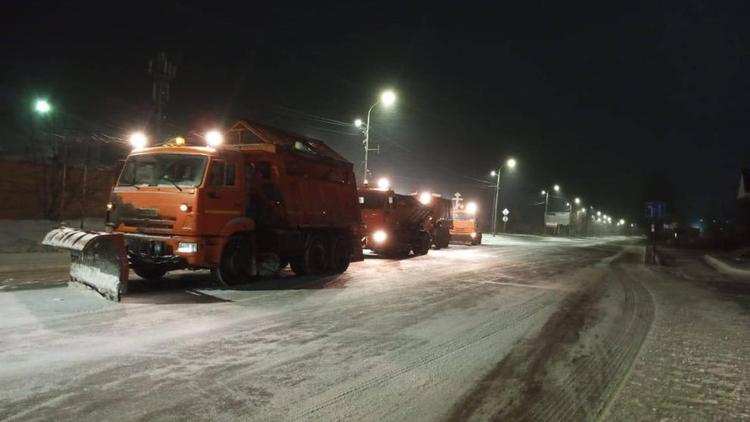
pixel 314 258
pixel 150 273
pixel 236 261
pixel 341 252
pixel 422 245
pixel 477 240
pixel 442 238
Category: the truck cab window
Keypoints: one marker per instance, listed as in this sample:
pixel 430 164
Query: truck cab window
pixel 216 175
pixel 222 174
pixel 229 175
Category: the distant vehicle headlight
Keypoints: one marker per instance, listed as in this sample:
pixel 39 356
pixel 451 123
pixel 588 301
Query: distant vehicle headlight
pixel 187 247
pixel 379 236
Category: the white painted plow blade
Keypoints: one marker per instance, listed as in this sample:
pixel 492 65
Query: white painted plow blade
pixel 98 260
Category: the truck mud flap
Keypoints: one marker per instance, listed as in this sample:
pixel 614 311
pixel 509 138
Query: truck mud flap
pixel 97 260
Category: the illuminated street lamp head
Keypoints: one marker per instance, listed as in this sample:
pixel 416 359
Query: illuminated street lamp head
pixel 214 138
pixel 577 201
pixel 388 98
pixel 384 183
pixel 598 213
pixel 544 192
pixel 425 198
pixel 358 122
pixel 493 173
pixel 567 204
pixel 138 140
pixel 556 188
pixel 622 221
pixel 42 106
pixel 511 163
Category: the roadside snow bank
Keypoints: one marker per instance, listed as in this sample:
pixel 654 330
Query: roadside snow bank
pixel 725 267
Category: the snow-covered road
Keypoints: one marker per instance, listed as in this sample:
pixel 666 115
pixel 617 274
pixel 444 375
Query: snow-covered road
pixel 460 333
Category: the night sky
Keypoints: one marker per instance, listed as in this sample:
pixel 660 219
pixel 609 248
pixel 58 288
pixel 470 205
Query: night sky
pixel 617 104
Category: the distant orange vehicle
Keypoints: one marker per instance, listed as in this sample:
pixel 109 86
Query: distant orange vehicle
pixel 466 225
pixel 263 198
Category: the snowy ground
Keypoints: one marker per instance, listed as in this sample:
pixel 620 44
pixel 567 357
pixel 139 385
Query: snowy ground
pixel 521 328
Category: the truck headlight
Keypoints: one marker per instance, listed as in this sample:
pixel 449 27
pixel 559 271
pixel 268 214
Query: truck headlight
pixel 473 235
pixel 187 247
pixel 184 207
pixel 379 236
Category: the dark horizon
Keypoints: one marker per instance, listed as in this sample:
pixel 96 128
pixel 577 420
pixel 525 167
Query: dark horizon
pixel 615 105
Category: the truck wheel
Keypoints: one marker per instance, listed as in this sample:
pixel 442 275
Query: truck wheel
pixel 340 254
pixel 151 273
pixel 442 239
pixel 314 259
pixel 423 244
pixel 236 261
pixel 477 240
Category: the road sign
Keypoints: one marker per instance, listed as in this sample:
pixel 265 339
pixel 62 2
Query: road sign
pixel 505 219
pixel 505 212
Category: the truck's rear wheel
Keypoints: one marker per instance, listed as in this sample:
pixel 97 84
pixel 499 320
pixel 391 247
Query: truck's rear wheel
pixel 150 273
pixel 341 252
pixel 236 261
pixel 422 245
pixel 314 259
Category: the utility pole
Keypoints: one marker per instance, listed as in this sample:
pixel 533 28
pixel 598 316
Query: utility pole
pixel 497 198
pixel 163 72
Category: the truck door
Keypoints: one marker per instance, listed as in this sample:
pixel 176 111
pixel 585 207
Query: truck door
pixel 222 198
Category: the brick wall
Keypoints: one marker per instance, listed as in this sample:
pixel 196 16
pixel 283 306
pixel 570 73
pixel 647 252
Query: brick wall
pixel 34 190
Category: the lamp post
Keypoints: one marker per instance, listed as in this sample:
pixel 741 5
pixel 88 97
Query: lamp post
pixel 387 98
pixel 545 192
pixel 511 164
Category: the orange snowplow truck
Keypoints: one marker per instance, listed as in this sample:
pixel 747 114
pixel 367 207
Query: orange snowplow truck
pixel 394 223
pixel 465 227
pixel 247 207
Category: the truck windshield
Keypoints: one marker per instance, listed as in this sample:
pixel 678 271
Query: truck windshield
pixel 163 170
pixel 372 200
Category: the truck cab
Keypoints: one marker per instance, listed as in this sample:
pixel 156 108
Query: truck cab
pixel 175 204
pixel 465 227
pixel 393 223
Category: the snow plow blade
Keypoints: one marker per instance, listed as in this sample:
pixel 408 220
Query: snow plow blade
pixel 97 260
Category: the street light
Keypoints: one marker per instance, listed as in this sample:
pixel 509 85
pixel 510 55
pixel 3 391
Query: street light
pixel 577 201
pixel 42 106
pixel 387 98
pixel 556 188
pixel 510 163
